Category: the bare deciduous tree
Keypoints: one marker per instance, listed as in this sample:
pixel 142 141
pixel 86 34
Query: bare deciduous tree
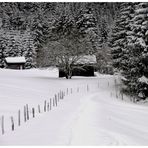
pixel 66 52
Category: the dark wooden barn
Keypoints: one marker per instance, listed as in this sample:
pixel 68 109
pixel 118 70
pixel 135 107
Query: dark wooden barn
pixel 15 62
pixel 86 63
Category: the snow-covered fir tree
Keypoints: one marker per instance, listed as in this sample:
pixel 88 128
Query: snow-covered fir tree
pixel 128 44
pixel 139 44
pixel 18 43
pixel 2 47
pixel 118 41
pixel 87 25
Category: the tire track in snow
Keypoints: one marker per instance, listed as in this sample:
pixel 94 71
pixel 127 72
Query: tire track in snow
pixel 85 128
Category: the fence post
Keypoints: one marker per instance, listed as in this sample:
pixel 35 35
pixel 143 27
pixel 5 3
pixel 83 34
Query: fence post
pixel 62 95
pixel 50 103
pixel 45 106
pixel 115 81
pixel 116 95
pixel 33 112
pixel 67 91
pixel 27 109
pixel 39 110
pixel 78 89
pixel 122 95
pixel 12 122
pixel 111 94
pixel 71 90
pixel 2 125
pixel 48 106
pixel 53 101
pixel 19 118
pixel 58 96
pixel 134 99
pixel 56 100
pixel 130 97
pixel 87 88
pixel 25 114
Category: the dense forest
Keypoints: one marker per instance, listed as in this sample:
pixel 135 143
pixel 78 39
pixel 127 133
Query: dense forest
pixel 117 33
pixel 43 26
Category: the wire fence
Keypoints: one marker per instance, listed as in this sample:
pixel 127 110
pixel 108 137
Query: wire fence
pixel 28 112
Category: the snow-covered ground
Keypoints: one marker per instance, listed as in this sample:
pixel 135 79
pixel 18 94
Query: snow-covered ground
pixel 89 115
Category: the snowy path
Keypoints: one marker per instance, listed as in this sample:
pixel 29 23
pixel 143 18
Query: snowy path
pixel 86 118
pixel 97 120
pixel 103 121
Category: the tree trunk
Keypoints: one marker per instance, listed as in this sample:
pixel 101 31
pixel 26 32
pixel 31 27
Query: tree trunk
pixel 69 74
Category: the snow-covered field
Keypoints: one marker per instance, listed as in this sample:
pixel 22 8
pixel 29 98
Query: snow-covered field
pixel 89 115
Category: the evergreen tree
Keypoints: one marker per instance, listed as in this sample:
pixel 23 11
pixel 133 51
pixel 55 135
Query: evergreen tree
pixel 140 48
pixel 128 63
pixel 129 46
pixel 120 53
pixel 119 33
pixel 2 47
pixel 86 24
pixel 17 43
pixel 105 14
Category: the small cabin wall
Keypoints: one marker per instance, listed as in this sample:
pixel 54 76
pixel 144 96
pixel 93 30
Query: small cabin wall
pixel 15 66
pixel 87 71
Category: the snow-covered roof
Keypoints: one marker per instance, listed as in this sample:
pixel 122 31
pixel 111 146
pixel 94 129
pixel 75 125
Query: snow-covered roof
pixel 91 59
pixel 83 59
pixel 15 59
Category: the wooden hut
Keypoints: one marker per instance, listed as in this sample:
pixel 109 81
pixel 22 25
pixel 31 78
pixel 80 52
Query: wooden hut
pixel 83 67
pixel 15 62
